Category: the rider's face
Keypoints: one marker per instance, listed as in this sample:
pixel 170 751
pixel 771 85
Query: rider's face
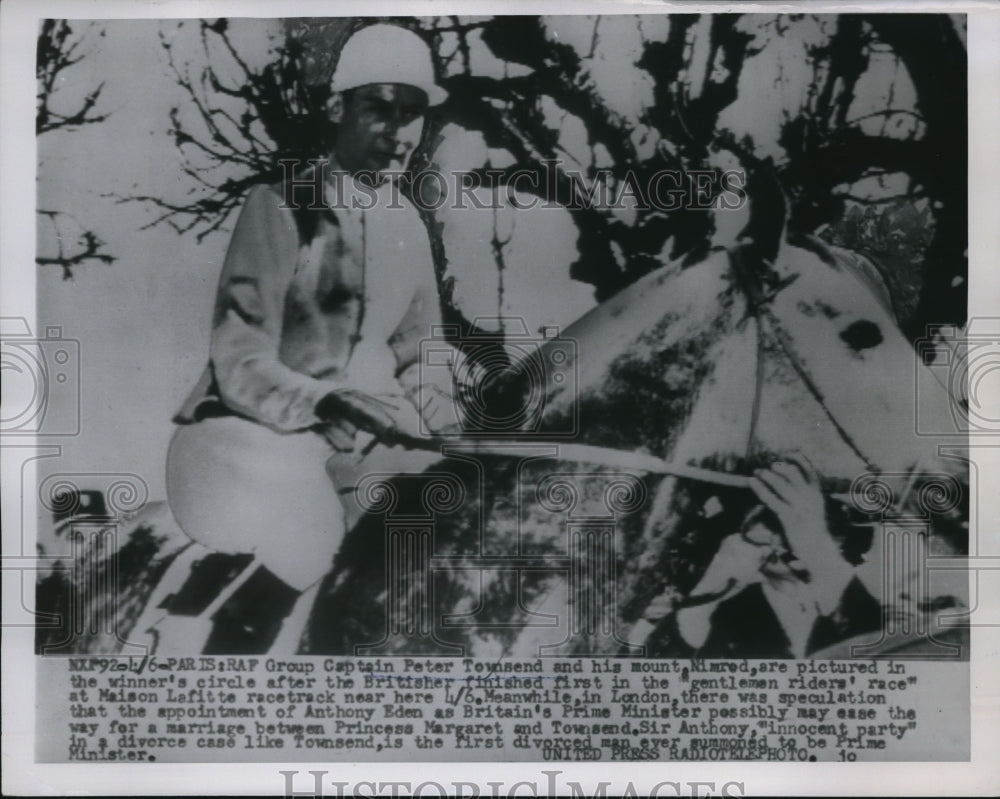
pixel 378 126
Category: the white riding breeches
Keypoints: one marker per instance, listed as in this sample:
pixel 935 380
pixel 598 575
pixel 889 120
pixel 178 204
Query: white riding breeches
pixel 239 487
pixel 236 486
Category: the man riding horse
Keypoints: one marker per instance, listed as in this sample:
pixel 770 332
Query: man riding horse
pixel 320 310
pixel 315 363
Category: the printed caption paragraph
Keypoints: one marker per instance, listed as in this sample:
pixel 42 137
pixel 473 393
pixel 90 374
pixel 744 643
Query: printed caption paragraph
pixel 151 709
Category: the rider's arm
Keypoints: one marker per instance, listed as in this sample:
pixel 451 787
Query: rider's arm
pixel 247 327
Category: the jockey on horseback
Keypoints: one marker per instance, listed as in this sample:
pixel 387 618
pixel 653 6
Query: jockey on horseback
pixel 327 288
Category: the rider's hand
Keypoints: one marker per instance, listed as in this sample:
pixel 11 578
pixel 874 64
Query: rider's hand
pixel 340 434
pixel 376 415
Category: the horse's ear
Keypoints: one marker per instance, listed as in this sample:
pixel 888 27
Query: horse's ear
pixel 765 230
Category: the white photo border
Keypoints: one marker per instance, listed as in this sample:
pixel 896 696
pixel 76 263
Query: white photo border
pixel 22 776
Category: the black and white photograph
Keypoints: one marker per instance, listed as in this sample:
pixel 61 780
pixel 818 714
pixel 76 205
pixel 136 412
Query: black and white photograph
pixel 500 387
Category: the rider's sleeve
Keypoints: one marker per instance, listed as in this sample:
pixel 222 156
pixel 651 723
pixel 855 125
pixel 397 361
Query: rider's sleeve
pixel 246 334
pixel 424 311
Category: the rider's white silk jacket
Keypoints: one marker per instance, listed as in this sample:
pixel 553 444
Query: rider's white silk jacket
pixel 310 301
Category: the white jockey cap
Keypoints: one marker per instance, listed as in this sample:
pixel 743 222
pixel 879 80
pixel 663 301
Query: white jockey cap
pixel 387 54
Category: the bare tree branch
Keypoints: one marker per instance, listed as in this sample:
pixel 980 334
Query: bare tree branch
pixel 273 117
pixel 243 125
pixel 59 49
pixel 86 245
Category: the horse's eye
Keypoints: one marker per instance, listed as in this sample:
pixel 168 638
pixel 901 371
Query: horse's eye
pixel 861 335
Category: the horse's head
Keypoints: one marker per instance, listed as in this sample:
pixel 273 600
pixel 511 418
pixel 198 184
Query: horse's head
pixel 825 315
pixel 743 357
